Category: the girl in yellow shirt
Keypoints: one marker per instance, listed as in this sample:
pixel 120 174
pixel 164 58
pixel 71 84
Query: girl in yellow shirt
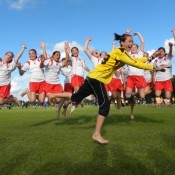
pixel 101 75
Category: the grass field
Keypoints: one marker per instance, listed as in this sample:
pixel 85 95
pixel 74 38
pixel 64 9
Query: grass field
pixel 33 142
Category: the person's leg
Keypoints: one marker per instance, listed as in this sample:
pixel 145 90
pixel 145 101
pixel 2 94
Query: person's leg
pixel 73 107
pixel 97 133
pixel 60 104
pixel 158 94
pixel 128 92
pixel 147 90
pixel 65 106
pixel 100 93
pixel 59 95
pixel 142 93
pixel 132 103
pixel 119 101
pixel 24 92
pixel 3 101
pixel 168 97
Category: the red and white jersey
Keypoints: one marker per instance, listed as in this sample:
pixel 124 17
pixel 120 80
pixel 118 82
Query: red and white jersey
pixel 134 70
pixel 67 72
pixel 52 71
pixel 36 73
pixel 117 75
pixel 5 72
pixel 78 66
pixel 125 70
pixel 162 76
pixel 96 61
pixel 148 74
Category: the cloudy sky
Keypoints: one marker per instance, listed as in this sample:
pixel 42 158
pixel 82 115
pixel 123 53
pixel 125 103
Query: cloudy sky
pixel 57 21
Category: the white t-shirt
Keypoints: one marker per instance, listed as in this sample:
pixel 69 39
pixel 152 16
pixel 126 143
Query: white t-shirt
pixel 148 74
pixel 36 73
pixel 67 72
pixel 96 61
pixel 134 70
pixel 163 76
pixel 5 72
pixel 125 70
pixel 78 66
pixel 52 71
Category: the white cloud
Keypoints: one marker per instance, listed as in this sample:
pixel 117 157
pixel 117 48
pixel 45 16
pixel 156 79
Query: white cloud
pixel 60 47
pixel 20 4
pixel 18 84
pixel 166 46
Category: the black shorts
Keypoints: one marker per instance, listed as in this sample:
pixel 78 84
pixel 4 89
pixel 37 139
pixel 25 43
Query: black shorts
pixel 97 88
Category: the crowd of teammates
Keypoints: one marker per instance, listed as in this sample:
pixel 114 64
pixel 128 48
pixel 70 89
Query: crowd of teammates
pixel 121 72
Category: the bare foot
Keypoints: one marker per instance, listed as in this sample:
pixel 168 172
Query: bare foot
pixel 58 112
pixel 72 109
pixel 100 139
pixel 24 92
pixel 132 116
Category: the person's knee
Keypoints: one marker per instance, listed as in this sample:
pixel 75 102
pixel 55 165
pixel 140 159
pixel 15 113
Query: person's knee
pixel 104 110
pixel 128 96
pixel 1 101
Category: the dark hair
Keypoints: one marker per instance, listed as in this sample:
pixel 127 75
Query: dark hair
pixel 121 38
pixel 103 52
pixel 10 52
pixel 74 48
pixel 161 48
pixel 33 51
pixel 55 53
pixel 136 45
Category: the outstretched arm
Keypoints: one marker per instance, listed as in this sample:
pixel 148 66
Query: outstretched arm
pixel 128 31
pixel 67 51
pixel 20 53
pixel 170 53
pixel 87 49
pixel 43 47
pixel 19 66
pixel 141 40
pixel 113 45
pixel 174 35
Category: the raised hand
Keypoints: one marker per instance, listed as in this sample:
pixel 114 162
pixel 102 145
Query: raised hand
pixel 128 31
pixel 67 47
pixel 42 44
pixel 156 53
pixel 24 46
pixel 19 66
pixel 89 38
pixel 170 44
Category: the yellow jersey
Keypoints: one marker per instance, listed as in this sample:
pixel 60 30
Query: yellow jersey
pixel 117 58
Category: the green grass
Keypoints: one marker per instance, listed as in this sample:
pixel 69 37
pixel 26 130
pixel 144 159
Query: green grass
pixel 33 142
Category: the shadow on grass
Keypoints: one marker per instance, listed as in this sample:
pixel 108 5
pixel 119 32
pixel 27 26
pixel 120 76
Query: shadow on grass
pixel 119 164
pixel 8 167
pixel 83 119
pixel 44 122
pixel 115 119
